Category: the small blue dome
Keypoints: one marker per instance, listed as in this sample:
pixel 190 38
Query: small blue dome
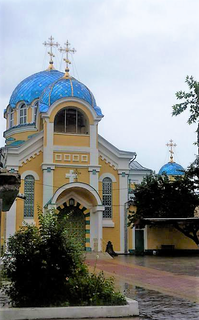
pixel 67 87
pixel 32 87
pixel 172 168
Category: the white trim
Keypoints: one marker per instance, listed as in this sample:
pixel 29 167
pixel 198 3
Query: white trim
pixel 67 157
pixel 107 175
pixel 74 99
pixel 29 172
pixel 84 158
pixel 71 149
pixel 75 157
pixel 58 157
pixel 76 185
pixel 29 221
pixel 19 128
pixel 108 223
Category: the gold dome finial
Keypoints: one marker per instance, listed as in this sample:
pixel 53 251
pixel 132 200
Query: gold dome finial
pixel 67 50
pixel 51 44
pixel 171 145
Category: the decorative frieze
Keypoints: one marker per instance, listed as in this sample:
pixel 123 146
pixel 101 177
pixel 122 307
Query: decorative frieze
pixel 71 158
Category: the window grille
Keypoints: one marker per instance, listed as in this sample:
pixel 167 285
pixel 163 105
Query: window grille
pixel 29 186
pixel 107 197
pixel 22 114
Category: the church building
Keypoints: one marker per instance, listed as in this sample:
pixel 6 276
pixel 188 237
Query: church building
pixel 52 140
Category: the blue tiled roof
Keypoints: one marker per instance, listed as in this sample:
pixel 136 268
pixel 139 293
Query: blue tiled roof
pixel 32 87
pixel 172 168
pixel 69 87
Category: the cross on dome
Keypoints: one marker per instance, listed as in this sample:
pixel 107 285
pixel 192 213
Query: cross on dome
pixel 171 145
pixel 67 50
pixel 51 44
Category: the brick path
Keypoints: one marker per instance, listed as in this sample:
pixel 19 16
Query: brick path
pixel 182 286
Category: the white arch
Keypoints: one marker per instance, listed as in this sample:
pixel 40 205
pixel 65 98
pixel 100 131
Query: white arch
pixel 29 172
pixel 73 99
pixel 74 185
pixel 108 175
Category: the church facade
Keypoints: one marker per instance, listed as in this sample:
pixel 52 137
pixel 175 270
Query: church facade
pixel 52 140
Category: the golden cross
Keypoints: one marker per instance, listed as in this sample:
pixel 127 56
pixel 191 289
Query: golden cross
pixel 67 50
pixel 51 44
pixel 77 173
pixel 171 144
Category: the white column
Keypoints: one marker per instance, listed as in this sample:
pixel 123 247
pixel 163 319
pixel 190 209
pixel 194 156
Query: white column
pixel 96 228
pixel 47 166
pixel 11 221
pixel 123 179
pixel 94 164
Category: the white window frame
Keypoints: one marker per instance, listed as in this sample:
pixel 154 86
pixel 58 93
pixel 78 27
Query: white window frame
pixel 107 215
pixel 11 118
pixel 30 197
pixel 22 108
pixel 34 111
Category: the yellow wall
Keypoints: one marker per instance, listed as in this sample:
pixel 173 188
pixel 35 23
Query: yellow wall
pixel 60 179
pixel 64 139
pixel 34 165
pixel 158 236
pixel 111 234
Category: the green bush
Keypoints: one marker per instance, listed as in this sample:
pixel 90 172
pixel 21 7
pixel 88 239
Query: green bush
pixel 46 268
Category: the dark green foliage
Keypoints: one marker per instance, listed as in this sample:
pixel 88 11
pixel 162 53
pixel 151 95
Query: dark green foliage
pixel 160 197
pixel 46 268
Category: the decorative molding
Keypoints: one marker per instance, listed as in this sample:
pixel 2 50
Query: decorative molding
pixel 29 172
pixel 84 158
pixel 78 185
pixel 58 157
pixel 109 161
pixel 107 175
pixel 67 157
pixel 108 223
pixel 75 157
pixel 29 158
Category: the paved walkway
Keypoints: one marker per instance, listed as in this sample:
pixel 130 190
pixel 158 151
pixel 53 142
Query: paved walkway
pixel 167 282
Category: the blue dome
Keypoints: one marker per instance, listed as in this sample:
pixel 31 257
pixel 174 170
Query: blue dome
pixel 32 87
pixel 67 87
pixel 172 168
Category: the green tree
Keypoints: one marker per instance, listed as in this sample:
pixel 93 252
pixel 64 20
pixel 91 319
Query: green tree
pixel 46 267
pixel 190 101
pixel 159 197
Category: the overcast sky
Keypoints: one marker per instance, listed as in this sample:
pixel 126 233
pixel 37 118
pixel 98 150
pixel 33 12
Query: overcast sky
pixel 132 54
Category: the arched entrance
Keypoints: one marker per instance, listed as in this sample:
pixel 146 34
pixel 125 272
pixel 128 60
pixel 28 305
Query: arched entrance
pixel 78 221
pixel 83 206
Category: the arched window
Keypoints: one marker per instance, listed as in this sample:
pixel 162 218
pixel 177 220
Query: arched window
pixel 11 118
pixel 22 114
pixel 107 197
pixel 29 190
pixel 71 120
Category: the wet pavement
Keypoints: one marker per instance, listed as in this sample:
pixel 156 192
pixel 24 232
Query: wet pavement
pixel 166 288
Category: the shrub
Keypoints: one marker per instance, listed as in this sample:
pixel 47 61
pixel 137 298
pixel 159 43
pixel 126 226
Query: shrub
pixel 46 268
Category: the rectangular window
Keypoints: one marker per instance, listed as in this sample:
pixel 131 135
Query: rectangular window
pixel 75 157
pixel 58 157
